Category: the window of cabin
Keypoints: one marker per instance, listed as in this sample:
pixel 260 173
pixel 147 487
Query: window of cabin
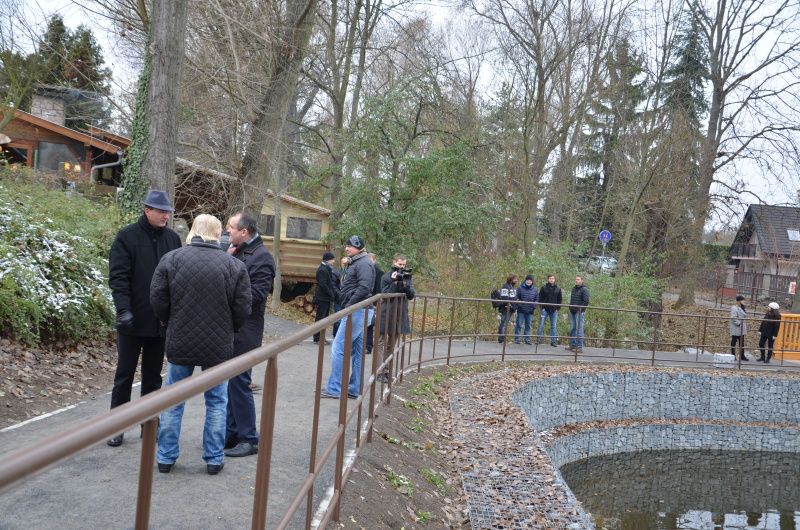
pixel 266 225
pixel 58 157
pixel 794 235
pixel 301 228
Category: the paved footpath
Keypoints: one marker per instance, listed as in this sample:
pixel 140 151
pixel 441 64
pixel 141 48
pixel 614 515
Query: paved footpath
pixel 97 489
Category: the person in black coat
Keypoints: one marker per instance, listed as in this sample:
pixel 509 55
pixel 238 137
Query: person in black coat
pixel 375 290
pixel 508 293
pixel 132 260
pixel 325 293
pixel 394 312
pixel 203 296
pixel 769 331
pixel 247 246
pixel 550 299
pixel 578 301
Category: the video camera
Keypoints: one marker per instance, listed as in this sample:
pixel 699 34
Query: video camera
pixel 403 274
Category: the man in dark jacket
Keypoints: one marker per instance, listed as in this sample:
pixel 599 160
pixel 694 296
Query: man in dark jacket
pixel 394 312
pixel 247 246
pixel 371 313
pixel 203 296
pixel 550 300
pixel 325 292
pixel 134 255
pixel 527 292
pixel 357 286
pixel 578 300
pixel 508 293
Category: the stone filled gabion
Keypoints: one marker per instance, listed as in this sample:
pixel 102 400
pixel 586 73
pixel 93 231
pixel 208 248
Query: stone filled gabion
pixel 514 428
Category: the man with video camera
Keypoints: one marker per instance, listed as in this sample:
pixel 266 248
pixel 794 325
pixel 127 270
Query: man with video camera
pixel 394 312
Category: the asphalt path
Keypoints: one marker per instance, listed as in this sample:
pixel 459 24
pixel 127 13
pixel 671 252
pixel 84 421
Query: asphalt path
pixel 97 489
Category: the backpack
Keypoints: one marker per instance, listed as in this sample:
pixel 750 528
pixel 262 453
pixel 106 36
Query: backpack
pixel 497 302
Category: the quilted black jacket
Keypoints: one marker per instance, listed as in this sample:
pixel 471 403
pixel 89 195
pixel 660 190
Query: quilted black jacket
pixel 203 295
pixel 134 255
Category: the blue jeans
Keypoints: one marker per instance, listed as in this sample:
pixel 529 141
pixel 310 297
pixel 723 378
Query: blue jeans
pixel 505 318
pixel 169 429
pixel 576 333
pixel 523 318
pixel 553 317
pixel 334 385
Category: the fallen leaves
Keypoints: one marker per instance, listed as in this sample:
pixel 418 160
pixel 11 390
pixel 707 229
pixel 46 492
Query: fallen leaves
pixel 33 377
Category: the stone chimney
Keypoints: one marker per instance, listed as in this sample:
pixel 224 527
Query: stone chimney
pixel 49 108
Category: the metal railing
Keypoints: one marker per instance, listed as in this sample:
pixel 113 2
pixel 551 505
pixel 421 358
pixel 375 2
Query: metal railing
pixel 475 320
pixel 459 327
pixel 26 463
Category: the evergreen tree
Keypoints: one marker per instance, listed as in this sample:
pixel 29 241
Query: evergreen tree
pixel 686 76
pixel 71 60
pixel 614 113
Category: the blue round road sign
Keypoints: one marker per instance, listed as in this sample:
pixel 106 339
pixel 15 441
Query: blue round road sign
pixel 605 236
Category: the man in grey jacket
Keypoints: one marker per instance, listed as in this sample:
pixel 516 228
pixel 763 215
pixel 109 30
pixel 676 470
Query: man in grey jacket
pixel 357 286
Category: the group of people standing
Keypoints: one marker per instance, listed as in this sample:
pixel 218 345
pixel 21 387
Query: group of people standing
pixel 767 330
pixel 524 300
pixel 360 278
pixel 201 304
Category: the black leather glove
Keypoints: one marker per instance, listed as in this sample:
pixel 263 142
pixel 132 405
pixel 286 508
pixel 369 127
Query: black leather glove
pixel 124 320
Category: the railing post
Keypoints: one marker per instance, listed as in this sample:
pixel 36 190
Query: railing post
pixel 655 338
pixel 705 330
pixel 374 372
pixel 337 478
pixel 391 337
pixel 148 455
pixel 505 327
pixel 477 322
pixel 401 339
pixel 436 326
pixel 422 333
pixel 312 460
pixel 269 397
pixel 450 336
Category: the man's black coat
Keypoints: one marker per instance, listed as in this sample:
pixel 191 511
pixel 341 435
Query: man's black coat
pixel 132 260
pixel 261 269
pixel 326 292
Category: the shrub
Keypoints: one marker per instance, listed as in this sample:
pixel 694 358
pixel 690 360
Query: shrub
pixel 52 264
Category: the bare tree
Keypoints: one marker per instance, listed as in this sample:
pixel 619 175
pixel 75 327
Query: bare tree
pixel 16 76
pixel 754 75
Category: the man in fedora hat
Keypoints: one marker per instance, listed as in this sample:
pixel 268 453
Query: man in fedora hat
pixel 132 261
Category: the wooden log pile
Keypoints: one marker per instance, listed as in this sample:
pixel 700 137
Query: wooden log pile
pixel 306 303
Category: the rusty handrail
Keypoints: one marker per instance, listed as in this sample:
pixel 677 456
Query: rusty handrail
pixel 26 463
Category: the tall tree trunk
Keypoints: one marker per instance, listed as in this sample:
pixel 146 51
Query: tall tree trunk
pixel 266 146
pixel 167 45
